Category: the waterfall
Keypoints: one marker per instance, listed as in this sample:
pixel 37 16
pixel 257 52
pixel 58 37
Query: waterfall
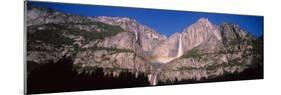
pixel 180 51
pixel 136 35
pixel 154 80
pixel 162 60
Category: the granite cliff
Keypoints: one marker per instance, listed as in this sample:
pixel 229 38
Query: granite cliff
pixel 117 44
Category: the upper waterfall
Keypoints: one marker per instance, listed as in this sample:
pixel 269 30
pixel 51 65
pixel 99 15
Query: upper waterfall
pixel 180 51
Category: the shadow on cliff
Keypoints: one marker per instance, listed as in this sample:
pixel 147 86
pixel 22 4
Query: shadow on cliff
pixel 60 77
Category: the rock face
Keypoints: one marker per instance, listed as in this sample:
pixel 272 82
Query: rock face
pixel 39 15
pixel 145 37
pixel 202 34
pixel 210 51
pixel 93 42
pixel 201 51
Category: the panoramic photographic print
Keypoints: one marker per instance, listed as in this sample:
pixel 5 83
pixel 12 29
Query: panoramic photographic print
pixel 76 47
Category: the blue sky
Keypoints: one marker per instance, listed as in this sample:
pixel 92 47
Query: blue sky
pixel 166 22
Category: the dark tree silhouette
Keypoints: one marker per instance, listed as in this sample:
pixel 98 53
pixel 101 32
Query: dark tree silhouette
pixel 60 77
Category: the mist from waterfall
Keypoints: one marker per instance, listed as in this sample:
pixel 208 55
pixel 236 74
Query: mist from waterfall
pixel 158 65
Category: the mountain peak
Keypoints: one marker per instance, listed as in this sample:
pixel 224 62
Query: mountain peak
pixel 204 21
